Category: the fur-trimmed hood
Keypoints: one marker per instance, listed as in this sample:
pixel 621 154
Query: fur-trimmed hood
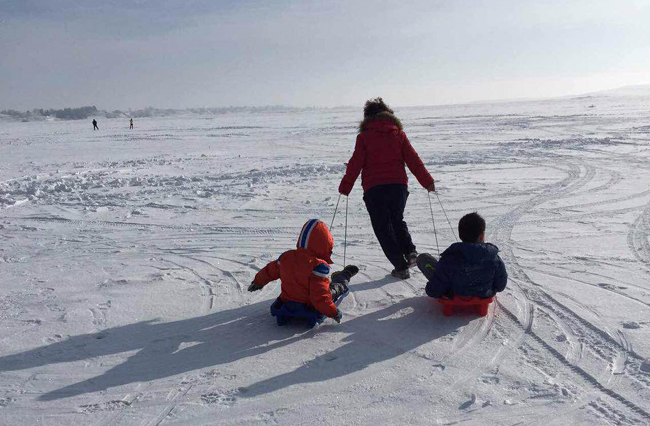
pixel 384 115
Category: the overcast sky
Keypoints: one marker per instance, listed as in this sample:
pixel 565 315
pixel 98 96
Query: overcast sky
pixel 193 53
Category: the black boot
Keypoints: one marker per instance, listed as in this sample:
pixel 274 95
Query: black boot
pixel 345 275
pixel 427 264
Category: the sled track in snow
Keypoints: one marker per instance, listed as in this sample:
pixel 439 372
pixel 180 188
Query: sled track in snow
pixel 473 334
pixel 603 288
pixel 589 334
pixel 637 161
pixel 572 218
pixel 638 238
pixel 590 379
pixel 537 297
pixel 616 178
pixel 204 229
pixel 209 288
pixel 171 398
pixel 599 342
pixel 600 203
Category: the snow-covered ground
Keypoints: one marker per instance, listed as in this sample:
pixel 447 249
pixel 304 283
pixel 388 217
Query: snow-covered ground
pixel 125 255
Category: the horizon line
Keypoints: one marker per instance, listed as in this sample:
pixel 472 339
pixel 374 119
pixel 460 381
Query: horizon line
pixel 476 102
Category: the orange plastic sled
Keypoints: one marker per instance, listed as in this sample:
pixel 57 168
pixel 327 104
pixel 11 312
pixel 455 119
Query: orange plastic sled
pixel 479 305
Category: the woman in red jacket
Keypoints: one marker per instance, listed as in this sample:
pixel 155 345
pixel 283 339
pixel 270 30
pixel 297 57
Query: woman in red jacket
pixel 380 153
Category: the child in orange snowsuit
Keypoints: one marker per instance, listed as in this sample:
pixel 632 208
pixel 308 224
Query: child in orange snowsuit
pixel 304 272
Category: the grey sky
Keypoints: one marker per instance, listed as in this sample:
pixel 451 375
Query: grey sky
pixel 185 53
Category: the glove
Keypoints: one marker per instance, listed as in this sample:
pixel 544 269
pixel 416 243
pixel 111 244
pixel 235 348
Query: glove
pixel 345 188
pixel 254 287
pixel 338 316
pixel 431 187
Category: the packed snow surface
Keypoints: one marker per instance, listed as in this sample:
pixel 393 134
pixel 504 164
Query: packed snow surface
pixel 125 257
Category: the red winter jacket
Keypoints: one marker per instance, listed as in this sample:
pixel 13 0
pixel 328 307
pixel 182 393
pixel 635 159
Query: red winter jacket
pixel 304 272
pixel 381 150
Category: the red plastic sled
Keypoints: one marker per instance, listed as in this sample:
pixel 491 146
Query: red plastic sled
pixel 476 303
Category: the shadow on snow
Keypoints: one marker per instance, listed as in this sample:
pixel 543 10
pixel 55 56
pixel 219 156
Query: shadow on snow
pixel 168 349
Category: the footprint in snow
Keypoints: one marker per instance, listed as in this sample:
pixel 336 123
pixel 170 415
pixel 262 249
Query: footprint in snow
pixel 223 398
pixel 490 380
pixel 468 403
pixel 631 325
pixel 5 402
pixel 611 287
pixel 104 406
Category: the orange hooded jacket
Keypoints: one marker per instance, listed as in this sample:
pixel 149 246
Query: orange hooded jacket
pixel 304 272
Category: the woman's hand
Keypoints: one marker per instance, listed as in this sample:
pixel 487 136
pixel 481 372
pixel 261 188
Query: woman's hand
pixel 432 187
pixel 254 287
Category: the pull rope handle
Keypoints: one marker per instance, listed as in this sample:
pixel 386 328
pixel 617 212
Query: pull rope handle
pixel 435 233
pixel 443 210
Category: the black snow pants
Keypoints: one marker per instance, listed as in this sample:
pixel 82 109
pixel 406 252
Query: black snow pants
pixel 385 204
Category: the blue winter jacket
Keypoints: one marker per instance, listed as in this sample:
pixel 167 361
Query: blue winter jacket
pixel 468 269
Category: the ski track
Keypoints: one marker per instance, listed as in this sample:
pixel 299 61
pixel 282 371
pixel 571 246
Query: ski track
pixel 638 238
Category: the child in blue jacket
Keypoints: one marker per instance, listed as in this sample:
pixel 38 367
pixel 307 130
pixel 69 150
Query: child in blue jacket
pixel 471 268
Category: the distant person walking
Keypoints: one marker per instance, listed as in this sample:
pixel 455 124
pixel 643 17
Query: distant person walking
pixel 380 153
pixel 95 125
pixel 131 124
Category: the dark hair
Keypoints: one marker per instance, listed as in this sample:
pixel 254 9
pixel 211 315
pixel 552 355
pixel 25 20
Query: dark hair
pixel 375 106
pixel 470 227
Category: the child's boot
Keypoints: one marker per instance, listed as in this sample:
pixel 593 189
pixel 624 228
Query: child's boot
pixel 427 264
pixel 402 273
pixel 345 275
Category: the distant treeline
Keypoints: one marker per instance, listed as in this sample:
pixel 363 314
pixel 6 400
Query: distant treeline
pixel 92 111
pixel 158 112
pixel 80 113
